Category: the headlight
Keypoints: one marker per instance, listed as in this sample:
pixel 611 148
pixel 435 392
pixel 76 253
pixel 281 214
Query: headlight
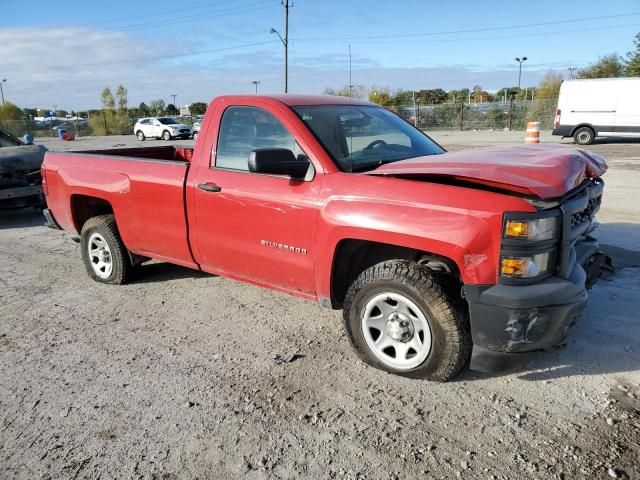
pixel 526 266
pixel 535 229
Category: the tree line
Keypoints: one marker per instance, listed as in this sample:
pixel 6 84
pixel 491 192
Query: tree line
pixel 609 66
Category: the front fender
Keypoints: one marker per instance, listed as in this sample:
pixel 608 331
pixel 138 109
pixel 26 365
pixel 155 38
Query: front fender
pixel 470 238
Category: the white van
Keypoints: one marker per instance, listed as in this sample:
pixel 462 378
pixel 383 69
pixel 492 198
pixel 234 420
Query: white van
pixel 598 108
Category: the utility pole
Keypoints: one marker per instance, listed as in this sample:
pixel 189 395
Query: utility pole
pixel 415 112
pixel 571 70
pixel 285 42
pixel 1 90
pixel 174 100
pixel 350 83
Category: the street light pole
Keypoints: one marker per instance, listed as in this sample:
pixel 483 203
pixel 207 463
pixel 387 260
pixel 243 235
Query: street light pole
pixel 285 42
pixel 256 83
pixel 174 100
pixel 520 61
pixel 1 90
pixel 571 70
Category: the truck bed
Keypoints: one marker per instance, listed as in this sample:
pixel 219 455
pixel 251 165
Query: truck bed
pixel 164 152
pixel 143 187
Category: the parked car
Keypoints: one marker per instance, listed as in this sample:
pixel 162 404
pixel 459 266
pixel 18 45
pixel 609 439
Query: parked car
pixel 20 180
pixel 436 258
pixel 195 129
pixel 166 128
pixel 602 107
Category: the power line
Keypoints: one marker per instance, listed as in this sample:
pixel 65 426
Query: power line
pixel 174 21
pixel 501 37
pixel 128 18
pixel 471 30
pixel 168 57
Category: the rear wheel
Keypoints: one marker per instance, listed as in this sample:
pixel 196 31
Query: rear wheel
pixel 584 136
pixel 105 256
pixel 399 319
pixel 140 136
pixel 166 135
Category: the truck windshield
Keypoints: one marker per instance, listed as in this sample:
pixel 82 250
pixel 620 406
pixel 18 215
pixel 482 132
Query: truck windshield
pixel 361 138
pixel 167 121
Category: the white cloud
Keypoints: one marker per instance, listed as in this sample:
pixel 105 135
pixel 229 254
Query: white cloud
pixel 69 67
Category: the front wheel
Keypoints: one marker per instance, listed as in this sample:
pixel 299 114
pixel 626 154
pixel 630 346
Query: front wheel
pixel 584 136
pixel 105 256
pixel 166 135
pixel 399 319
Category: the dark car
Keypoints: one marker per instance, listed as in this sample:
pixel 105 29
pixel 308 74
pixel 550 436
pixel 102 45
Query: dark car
pixel 20 179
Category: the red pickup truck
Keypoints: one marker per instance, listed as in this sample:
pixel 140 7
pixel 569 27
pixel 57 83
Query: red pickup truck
pixel 437 259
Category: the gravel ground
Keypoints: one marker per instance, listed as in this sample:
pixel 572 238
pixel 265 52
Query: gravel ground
pixel 186 375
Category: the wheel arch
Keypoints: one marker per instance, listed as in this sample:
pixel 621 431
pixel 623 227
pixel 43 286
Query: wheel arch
pixel 353 256
pixel 588 125
pixel 84 207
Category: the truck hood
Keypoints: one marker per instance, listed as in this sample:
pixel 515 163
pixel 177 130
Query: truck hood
pixel 544 171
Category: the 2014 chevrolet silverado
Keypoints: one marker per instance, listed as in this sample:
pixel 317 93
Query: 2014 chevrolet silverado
pixel 437 259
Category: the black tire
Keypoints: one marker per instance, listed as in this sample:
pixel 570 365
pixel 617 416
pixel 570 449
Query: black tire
pixel 448 320
pixel 166 135
pixel 105 226
pixel 584 136
pixel 140 135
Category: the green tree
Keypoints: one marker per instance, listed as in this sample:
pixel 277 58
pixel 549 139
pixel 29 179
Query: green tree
pixel 458 95
pixel 633 59
pixel 549 87
pixel 121 94
pixel 356 91
pixel 107 99
pixel 172 110
pixel 143 110
pixel 381 96
pixel 198 108
pixel 157 107
pixel 432 97
pixel 609 66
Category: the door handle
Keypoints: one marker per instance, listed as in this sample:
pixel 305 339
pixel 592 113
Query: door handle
pixel 209 187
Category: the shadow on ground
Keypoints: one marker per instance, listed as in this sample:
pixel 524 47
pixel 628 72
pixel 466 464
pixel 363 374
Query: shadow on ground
pixel 162 271
pixel 21 218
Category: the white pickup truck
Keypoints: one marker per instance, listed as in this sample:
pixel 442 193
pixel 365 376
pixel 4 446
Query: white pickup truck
pixel 166 128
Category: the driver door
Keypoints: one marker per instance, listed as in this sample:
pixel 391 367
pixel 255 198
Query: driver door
pixel 255 226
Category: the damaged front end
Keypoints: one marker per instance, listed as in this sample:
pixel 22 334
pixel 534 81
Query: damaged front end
pixel 548 261
pixel 20 178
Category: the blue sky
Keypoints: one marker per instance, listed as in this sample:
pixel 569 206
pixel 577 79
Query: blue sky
pixel 65 53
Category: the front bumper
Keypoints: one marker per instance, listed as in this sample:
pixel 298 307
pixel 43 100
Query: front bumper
pixel 511 323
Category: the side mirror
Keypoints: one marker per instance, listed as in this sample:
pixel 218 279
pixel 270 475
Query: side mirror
pixel 277 161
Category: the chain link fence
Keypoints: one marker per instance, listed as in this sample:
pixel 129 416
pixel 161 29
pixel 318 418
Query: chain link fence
pixel 512 115
pixel 19 128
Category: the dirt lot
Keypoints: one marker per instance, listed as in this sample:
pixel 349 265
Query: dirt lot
pixel 174 376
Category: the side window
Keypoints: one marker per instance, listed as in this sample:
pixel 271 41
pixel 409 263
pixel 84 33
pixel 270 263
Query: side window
pixel 243 129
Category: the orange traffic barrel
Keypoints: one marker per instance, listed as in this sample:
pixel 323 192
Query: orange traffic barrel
pixel 533 133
